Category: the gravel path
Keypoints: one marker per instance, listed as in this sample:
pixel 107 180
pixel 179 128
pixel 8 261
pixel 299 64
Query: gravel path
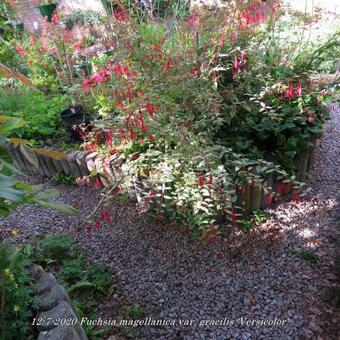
pixel 257 276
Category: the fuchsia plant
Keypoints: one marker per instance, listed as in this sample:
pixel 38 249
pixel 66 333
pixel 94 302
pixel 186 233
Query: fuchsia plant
pixel 169 111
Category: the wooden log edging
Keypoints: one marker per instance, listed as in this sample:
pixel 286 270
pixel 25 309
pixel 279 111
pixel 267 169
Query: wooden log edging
pixel 82 164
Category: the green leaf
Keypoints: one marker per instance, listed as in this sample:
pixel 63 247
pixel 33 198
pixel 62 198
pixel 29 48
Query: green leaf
pixel 83 284
pixel 12 194
pixel 64 208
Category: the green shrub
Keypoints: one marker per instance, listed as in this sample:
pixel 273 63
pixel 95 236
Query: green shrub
pixel 39 111
pixel 62 178
pixel 57 247
pixel 16 301
pixel 72 271
pixel 101 277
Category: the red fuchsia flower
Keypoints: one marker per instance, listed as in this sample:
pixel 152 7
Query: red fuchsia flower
pixel 246 17
pixel 97 224
pixel 128 95
pixel 282 188
pixel 105 216
pixel 240 190
pixel 142 120
pixel 290 91
pixel 120 14
pixel 236 65
pixel 151 138
pixel 298 89
pixel 310 119
pixel 77 46
pixel 108 137
pixel 87 85
pixel 268 201
pixel 55 19
pixel 213 232
pixel 168 64
pixel 118 70
pixel 150 109
pixel 243 57
pixel 211 181
pixel 91 146
pixel 102 76
pixel 195 72
pixel 98 183
pixel 150 195
pixel 91 184
pixel 201 180
pixel 233 216
pixel 20 50
pixel 136 121
pixel 132 134
pixel 120 104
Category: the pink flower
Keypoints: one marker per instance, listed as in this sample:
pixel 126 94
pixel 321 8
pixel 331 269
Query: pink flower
pixel 236 65
pixel 77 46
pixel 243 55
pixel 290 91
pixel 20 50
pixel 194 22
pixel 55 18
pixel 87 85
pixel 298 89
pixel 246 17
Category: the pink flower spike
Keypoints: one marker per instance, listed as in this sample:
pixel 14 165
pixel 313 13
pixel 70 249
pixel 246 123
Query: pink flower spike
pixel 290 91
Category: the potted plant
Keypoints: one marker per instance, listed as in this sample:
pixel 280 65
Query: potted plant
pixel 47 8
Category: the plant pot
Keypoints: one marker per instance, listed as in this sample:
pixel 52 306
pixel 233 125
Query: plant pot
pixel 74 116
pixel 19 27
pixel 47 10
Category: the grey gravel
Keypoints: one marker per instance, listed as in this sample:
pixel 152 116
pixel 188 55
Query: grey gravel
pixel 255 275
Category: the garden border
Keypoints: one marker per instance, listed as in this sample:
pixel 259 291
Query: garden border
pixel 56 318
pixel 82 164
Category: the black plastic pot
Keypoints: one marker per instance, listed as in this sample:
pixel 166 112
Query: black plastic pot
pixel 73 116
pixel 19 27
pixel 47 10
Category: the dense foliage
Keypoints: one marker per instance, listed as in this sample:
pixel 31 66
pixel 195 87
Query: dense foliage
pixel 16 300
pixel 197 106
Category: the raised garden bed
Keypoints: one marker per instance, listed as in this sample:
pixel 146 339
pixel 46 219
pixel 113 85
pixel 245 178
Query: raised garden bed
pixel 108 170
